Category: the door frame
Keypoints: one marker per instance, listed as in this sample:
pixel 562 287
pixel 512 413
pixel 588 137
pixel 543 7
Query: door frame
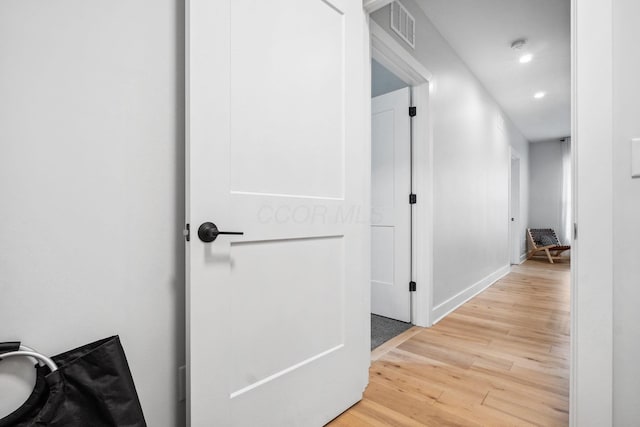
pixel 591 355
pixel 514 155
pixel 395 58
pixel 592 126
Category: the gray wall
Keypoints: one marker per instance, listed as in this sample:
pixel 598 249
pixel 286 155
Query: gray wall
pixel 626 214
pixel 383 81
pixel 471 158
pixel 91 183
pixel 545 195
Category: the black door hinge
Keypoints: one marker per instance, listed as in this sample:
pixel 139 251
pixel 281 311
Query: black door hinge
pixel 412 286
pixel 413 111
pixel 187 232
pixel 413 199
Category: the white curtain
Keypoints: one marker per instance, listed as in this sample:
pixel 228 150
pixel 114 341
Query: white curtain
pixel 567 221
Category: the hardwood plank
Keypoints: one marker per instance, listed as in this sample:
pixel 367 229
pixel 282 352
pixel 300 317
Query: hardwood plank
pixel 527 411
pixel 384 348
pixel 502 359
pixel 352 419
pixel 377 415
pixel 406 382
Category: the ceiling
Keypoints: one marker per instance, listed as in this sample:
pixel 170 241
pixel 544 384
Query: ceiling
pixel 481 32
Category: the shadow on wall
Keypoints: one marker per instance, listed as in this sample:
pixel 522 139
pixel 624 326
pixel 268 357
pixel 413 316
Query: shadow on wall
pixel 179 281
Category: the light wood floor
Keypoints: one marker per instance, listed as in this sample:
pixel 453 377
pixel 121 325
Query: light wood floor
pixel 502 359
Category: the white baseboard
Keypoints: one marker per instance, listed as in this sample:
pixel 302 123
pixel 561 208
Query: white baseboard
pixel 441 310
pixel 523 257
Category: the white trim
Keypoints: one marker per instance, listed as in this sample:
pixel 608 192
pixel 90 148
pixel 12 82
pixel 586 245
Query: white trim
pixel 573 309
pixel 591 381
pixel 387 51
pixel 371 6
pixel 366 111
pixel 513 155
pixel 523 258
pixel 443 309
pixel 423 210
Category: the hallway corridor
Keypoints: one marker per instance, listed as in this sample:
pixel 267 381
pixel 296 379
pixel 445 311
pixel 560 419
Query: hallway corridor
pixel 502 359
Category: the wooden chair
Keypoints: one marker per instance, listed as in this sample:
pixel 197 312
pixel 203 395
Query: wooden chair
pixel 545 240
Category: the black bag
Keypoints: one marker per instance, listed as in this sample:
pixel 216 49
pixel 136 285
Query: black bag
pixel 88 386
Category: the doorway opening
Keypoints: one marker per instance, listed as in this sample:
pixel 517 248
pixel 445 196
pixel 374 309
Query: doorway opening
pixel 516 237
pixel 398 70
pixel 517 197
pixel 391 208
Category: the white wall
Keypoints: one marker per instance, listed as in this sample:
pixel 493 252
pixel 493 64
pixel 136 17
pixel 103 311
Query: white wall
pixel 605 331
pixel 471 159
pixel 545 193
pixel 592 250
pixel 626 215
pixel 91 186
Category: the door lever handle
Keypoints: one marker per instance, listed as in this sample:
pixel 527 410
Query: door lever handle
pixel 208 232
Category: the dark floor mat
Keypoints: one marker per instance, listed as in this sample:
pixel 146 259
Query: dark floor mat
pixel 383 329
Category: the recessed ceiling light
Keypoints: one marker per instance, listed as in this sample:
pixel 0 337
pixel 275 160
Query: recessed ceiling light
pixel 539 95
pixel 526 58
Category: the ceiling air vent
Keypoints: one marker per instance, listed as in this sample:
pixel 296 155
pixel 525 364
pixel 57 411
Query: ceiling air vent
pixel 403 23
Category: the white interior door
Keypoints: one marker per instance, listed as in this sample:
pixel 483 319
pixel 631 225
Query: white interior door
pixel 277 149
pixel 391 211
pixel 514 224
